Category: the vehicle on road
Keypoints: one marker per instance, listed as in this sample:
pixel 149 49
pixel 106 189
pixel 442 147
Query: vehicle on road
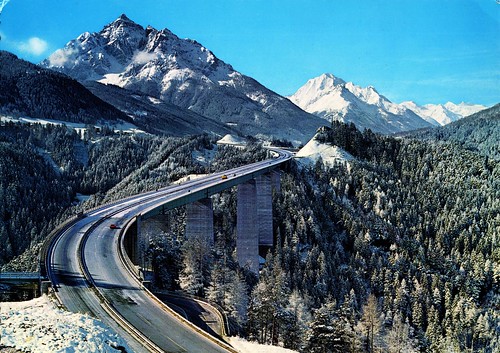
pixel 224 177
pixel 113 226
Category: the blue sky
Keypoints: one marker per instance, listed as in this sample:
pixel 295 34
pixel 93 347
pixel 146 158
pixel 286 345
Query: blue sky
pixel 429 51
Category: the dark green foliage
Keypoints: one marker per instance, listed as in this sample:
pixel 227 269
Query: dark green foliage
pixel 413 223
pixel 479 132
pixel 27 89
pixel 28 205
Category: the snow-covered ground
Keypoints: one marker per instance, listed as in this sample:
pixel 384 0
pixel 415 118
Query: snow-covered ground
pixel 231 140
pixel 39 326
pixel 313 150
pixel 245 346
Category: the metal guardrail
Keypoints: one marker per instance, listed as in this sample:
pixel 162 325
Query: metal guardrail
pixel 20 275
pixel 50 242
pixel 105 304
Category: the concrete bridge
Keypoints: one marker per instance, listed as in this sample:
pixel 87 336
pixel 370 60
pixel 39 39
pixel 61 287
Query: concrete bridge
pixel 27 284
pixel 88 252
pixel 254 216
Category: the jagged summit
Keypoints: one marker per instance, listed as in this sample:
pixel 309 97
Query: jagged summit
pixel 124 17
pixel 184 73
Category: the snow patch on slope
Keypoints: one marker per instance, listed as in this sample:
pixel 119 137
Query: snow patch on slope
pixel 37 326
pixel 244 346
pixel 231 140
pixel 330 155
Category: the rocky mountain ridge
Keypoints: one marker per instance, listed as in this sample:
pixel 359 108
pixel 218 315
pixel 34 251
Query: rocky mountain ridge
pixel 332 98
pixel 184 73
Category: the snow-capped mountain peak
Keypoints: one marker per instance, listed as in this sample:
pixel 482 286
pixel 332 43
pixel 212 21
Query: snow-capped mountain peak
pixel 181 72
pixel 442 114
pixel 333 98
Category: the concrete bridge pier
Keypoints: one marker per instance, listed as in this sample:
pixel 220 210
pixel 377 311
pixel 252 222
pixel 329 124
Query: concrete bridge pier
pixel 276 180
pixel 130 242
pixel 247 241
pixel 265 209
pixel 200 220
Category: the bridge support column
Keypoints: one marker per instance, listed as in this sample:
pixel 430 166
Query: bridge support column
pixel 276 180
pixel 247 241
pixel 142 244
pixel 200 220
pixel 130 243
pixel 265 210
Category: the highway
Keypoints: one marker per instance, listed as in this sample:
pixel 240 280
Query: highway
pixel 88 275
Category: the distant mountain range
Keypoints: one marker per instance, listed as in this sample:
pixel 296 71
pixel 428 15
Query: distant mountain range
pixel 442 114
pixel 332 98
pixel 183 73
pixel 479 132
pixel 167 85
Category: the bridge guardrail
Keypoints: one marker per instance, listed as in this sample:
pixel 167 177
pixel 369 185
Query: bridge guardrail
pixel 105 304
pixel 51 238
pixel 132 270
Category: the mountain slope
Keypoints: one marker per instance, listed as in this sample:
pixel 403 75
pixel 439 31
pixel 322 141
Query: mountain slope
pixel 184 73
pixel 156 116
pixel 478 132
pixel 27 89
pixel 332 98
pixel 443 114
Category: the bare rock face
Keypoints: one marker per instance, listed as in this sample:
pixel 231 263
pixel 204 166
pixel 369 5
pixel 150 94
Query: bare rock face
pixel 184 73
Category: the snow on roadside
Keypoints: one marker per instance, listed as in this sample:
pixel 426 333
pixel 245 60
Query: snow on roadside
pixel 38 326
pixel 244 346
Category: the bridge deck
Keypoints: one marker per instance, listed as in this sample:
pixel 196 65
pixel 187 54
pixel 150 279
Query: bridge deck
pixel 19 276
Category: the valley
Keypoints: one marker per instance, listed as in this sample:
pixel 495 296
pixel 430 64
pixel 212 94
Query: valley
pixel 384 226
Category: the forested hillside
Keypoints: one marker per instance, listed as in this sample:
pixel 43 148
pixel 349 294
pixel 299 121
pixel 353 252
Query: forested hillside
pixel 396 251
pixel 43 168
pixel 479 132
pixel 27 89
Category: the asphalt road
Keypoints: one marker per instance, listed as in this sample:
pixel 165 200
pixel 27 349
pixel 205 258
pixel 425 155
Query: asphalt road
pixel 114 282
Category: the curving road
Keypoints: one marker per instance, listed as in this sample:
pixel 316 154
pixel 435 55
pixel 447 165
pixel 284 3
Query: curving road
pixel 89 277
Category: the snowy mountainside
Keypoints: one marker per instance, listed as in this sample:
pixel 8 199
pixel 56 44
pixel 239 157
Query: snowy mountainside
pixel 157 116
pixel 442 114
pixel 184 73
pixel 330 97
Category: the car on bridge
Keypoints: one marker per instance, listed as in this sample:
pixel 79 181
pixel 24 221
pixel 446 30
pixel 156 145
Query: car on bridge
pixel 113 226
pixel 224 177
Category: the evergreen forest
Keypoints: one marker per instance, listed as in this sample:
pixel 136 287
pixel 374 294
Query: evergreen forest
pixel 396 250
